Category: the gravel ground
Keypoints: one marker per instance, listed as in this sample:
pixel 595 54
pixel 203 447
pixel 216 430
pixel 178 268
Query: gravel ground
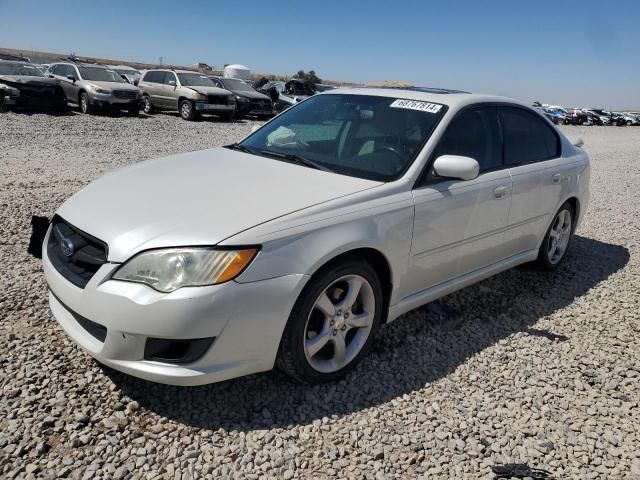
pixel 526 367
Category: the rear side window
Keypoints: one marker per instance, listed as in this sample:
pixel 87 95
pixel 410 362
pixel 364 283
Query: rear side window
pixel 474 133
pixel 526 137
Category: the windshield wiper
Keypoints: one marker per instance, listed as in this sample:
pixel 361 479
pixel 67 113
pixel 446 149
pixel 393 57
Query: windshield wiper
pixel 293 157
pixel 239 147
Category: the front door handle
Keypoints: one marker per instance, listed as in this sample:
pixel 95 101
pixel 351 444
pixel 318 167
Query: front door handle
pixel 556 178
pixel 500 192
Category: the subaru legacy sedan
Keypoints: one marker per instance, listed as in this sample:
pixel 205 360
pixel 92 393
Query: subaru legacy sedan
pixel 292 247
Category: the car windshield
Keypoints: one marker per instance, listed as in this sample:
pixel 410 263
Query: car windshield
pixel 97 74
pixel 195 80
pixel 20 69
pixel 238 85
pixel 123 71
pixel 364 136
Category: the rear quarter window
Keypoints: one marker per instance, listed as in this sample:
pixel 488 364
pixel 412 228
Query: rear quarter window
pixel 526 137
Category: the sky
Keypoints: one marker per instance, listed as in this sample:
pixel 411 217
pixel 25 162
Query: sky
pixel 572 53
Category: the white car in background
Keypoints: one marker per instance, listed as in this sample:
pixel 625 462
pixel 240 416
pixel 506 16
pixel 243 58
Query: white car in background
pixel 292 247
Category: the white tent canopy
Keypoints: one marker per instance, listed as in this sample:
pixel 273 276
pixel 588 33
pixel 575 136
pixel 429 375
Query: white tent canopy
pixel 237 71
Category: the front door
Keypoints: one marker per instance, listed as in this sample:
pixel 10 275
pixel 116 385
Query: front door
pixel 459 225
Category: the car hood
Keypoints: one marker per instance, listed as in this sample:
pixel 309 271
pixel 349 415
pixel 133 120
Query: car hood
pixel 18 80
pixel 248 94
pixel 210 90
pixel 113 85
pixel 197 198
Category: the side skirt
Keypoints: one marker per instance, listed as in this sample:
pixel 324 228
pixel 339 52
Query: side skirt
pixel 418 299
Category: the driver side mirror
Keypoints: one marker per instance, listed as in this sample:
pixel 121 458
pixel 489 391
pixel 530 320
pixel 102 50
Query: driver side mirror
pixel 172 83
pixel 456 166
pixel 72 78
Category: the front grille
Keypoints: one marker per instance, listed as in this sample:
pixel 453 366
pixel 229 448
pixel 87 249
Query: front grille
pixel 74 253
pixel 218 99
pixel 260 104
pixel 125 94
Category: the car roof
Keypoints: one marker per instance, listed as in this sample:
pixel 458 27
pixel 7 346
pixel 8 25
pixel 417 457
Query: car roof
pixel 79 64
pixel 452 98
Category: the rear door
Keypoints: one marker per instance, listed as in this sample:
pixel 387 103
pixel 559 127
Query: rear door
pixel 532 151
pixel 459 225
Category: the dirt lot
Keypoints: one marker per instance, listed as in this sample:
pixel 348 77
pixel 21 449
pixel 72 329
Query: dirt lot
pixel 530 367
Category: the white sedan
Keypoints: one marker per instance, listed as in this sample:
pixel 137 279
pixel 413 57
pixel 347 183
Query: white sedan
pixel 292 247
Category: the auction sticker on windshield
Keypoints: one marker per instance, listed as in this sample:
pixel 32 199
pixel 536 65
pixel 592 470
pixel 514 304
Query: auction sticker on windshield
pixel 416 105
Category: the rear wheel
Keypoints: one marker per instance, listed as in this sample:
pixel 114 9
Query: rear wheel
pixel 148 106
pixel 187 112
pixel 332 324
pixel 556 241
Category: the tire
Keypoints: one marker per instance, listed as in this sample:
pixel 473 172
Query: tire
pixel 353 327
pixel 228 116
pixel 629 123
pixel 4 108
pixel 549 258
pixel 148 106
pixel 133 112
pixel 85 106
pixel 187 112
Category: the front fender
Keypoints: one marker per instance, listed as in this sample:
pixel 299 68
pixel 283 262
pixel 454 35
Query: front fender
pixel 310 243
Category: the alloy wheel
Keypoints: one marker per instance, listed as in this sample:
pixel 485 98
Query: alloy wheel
pixel 185 109
pixel 339 323
pixel 559 236
pixel 147 105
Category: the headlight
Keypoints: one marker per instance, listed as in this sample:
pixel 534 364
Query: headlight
pixel 167 270
pixel 102 91
pixel 10 91
pixel 242 99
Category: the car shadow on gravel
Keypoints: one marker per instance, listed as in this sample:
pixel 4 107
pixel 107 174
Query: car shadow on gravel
pixel 423 346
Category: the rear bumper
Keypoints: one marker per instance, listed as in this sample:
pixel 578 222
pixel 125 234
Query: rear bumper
pixel 240 324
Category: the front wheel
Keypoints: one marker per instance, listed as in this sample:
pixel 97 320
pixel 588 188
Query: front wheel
pixel 85 106
pixel 332 324
pixel 556 241
pixel 4 108
pixel 187 112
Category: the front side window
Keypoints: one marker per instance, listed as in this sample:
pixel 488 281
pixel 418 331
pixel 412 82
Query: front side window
pixel 364 136
pixel 526 137
pixel 195 80
pixel 474 133
pixel 97 74
pixel 168 77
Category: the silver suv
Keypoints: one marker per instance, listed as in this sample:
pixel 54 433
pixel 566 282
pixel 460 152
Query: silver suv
pixel 94 87
pixel 190 93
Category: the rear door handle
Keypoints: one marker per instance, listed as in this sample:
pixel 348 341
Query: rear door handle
pixel 556 178
pixel 500 192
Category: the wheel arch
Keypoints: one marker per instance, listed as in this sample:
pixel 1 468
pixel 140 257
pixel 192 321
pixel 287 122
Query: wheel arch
pixel 372 256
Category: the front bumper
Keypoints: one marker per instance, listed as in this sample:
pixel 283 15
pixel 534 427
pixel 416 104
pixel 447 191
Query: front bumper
pixel 36 103
pixel 109 102
pixel 246 319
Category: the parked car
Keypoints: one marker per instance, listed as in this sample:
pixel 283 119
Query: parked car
pixel 23 86
pixel 130 74
pixel 189 93
pixel 558 115
pixel 293 246
pixel 95 87
pixel 543 111
pixel 627 118
pixel 248 100
pixel 285 95
pixel 579 116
